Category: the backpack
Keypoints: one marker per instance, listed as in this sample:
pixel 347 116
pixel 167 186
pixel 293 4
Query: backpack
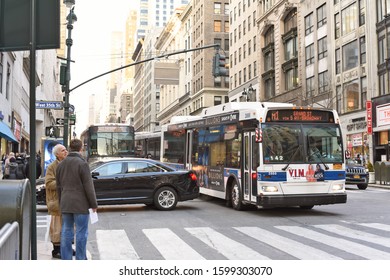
pixel 13 170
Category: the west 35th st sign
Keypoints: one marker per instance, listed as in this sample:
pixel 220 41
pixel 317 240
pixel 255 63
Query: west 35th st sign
pixel 55 105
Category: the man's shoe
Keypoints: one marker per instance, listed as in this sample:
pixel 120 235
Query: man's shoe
pixel 74 253
pixel 56 254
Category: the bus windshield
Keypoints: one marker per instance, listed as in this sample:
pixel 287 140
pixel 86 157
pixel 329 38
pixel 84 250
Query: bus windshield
pixel 111 143
pixel 301 143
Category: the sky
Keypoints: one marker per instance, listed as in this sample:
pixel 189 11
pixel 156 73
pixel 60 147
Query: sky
pixel 91 34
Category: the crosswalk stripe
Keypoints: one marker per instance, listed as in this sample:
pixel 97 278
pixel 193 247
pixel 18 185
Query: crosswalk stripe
pixel 231 249
pixel 115 245
pixel 170 245
pixel 356 234
pixel 43 221
pixel 339 243
pixel 376 226
pixel 287 245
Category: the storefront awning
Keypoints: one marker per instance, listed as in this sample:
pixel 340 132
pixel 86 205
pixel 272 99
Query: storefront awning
pixel 5 132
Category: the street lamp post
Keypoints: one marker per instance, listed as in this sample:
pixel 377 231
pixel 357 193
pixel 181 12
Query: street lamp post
pixel 71 18
pixel 248 93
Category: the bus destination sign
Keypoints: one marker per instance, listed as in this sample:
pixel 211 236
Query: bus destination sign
pixel 299 115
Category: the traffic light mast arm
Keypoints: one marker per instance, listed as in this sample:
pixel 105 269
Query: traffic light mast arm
pixel 146 60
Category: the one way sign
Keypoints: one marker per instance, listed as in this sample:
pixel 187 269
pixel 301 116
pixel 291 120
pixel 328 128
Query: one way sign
pixel 60 121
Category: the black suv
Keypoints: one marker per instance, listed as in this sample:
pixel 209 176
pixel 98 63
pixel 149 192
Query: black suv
pixel 356 174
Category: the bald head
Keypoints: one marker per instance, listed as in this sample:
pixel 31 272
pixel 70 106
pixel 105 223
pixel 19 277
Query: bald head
pixel 60 151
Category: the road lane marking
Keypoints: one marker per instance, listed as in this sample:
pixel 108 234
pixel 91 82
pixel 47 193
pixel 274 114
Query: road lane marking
pixel 115 245
pixel 287 245
pixel 339 243
pixel 231 249
pixel 170 245
pixel 376 226
pixel 356 234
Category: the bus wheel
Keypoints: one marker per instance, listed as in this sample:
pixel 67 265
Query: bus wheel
pixel 236 197
pixel 165 198
pixel 306 207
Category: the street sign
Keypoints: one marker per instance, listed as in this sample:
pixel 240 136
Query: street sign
pixel 52 131
pixel 55 105
pixel 60 121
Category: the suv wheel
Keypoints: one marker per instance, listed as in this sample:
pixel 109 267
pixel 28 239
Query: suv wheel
pixel 362 186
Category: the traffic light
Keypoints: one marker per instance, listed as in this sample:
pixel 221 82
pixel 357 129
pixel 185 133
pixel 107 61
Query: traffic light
pixel 219 65
pixel 63 74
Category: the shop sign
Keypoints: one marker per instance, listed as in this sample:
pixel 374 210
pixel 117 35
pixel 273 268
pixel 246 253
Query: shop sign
pixel 369 116
pixel 383 115
pixel 357 140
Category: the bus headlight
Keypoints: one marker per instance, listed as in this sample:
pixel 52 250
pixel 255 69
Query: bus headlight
pixel 338 187
pixel 269 188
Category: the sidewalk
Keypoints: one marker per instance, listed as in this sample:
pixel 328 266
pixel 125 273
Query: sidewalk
pixel 44 251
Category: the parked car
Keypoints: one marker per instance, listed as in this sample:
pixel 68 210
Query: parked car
pixel 137 180
pixel 356 174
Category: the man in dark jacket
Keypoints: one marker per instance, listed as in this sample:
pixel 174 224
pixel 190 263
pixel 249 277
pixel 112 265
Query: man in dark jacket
pixel 76 195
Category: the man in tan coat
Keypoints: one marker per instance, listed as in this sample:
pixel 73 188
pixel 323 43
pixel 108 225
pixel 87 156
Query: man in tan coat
pixel 52 202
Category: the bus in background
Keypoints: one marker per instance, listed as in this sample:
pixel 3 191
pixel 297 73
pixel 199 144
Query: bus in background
pixel 108 140
pixel 148 144
pixel 262 154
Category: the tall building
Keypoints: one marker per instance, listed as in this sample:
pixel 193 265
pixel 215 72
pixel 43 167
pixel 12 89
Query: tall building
pixel 244 51
pixel 210 26
pixel 155 13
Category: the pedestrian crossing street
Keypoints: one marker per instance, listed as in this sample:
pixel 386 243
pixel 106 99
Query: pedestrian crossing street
pixel 345 240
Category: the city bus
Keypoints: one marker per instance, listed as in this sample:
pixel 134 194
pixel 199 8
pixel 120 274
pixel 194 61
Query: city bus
pixel 148 144
pixel 108 140
pixel 263 154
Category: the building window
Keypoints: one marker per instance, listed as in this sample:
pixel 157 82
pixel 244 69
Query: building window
pixel 217 8
pixel 322 48
pixel 226 26
pixel 337 26
pixel 249 47
pixel 363 86
pixel 227 45
pixel 338 61
pixel 269 36
pixel 217 26
pixel 254 43
pixel 382 84
pixel 349 19
pixel 310 54
pixel 254 69
pixel 362 12
pixel 323 82
pixel 249 71
pixel 351 96
pixel 269 60
pixel 290 21
pixel 321 16
pixel 290 48
pixel 291 78
pixel 350 56
pixel 226 8
pixel 309 88
pixel 362 50
pixel 338 99
pixel 269 87
pixel 309 26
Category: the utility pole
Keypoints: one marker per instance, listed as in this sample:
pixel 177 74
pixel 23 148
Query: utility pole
pixel 71 18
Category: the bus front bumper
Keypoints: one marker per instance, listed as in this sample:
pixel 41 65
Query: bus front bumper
pixel 300 200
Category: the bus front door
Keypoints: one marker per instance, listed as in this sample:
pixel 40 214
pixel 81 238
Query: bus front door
pixel 251 156
pixel 246 166
pixel 188 150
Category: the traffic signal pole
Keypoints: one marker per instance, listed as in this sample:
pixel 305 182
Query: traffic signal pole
pixel 143 61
